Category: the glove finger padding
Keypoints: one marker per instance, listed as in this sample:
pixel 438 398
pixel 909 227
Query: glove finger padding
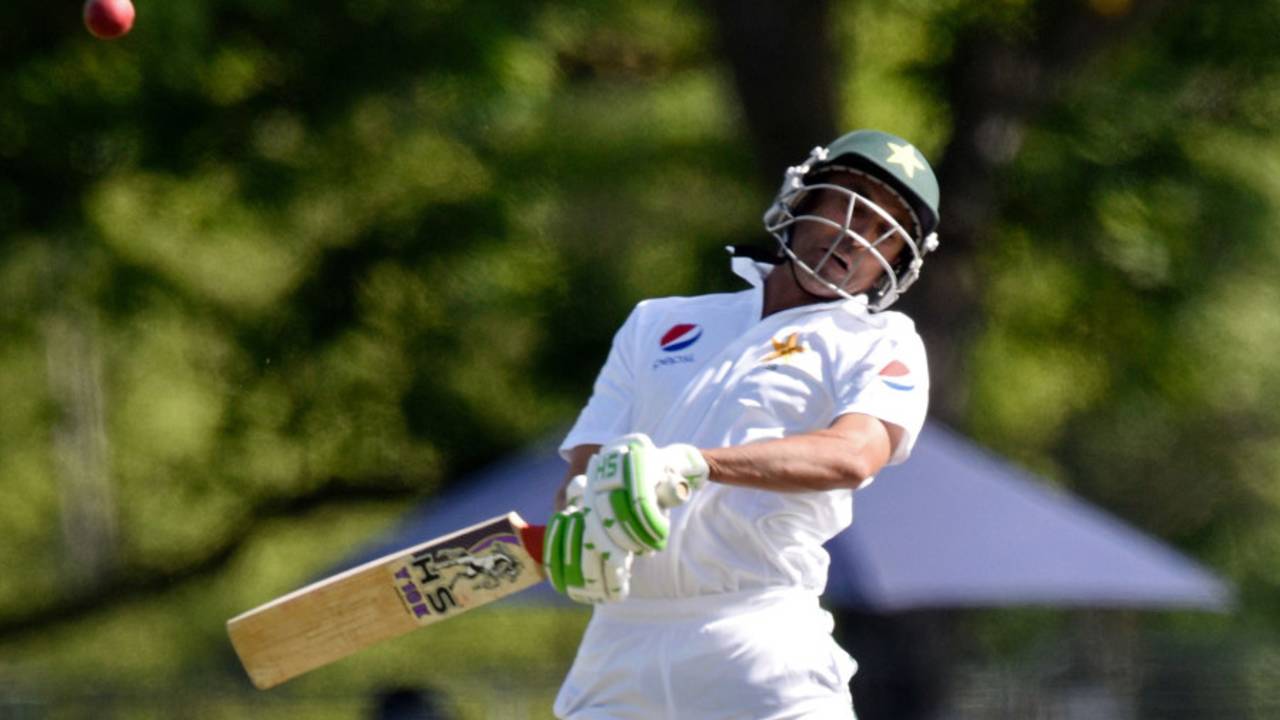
pixel 614 582
pixel 562 557
pixel 606 568
pixel 575 490
pixel 581 561
pixel 561 546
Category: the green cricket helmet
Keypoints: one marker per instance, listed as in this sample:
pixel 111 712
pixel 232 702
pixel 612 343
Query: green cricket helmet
pixel 890 162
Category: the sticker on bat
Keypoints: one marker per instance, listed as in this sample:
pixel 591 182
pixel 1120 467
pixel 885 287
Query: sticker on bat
pixel 440 580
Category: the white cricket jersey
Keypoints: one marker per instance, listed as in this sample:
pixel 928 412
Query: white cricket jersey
pixel 710 372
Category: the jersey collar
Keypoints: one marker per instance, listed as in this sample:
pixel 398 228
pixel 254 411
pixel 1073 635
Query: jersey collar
pixel 754 272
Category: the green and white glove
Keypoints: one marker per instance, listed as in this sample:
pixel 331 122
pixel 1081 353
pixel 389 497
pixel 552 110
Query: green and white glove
pixel 581 560
pixel 631 484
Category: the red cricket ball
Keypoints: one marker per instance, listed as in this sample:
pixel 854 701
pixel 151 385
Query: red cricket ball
pixel 108 18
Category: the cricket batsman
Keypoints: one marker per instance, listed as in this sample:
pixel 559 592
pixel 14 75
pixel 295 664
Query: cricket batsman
pixel 766 409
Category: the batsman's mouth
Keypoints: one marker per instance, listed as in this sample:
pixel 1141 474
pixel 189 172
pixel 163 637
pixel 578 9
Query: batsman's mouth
pixel 839 259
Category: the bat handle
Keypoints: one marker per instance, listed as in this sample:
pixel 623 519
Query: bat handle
pixel 532 537
pixel 673 493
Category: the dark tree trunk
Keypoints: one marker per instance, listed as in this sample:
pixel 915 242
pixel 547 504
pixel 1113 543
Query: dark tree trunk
pixel 995 89
pixel 783 66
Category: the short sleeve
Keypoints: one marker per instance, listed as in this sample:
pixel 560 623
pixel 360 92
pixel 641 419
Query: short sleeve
pixel 608 413
pixel 891 383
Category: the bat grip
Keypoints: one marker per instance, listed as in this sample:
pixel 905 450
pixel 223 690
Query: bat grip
pixel 672 493
pixel 532 537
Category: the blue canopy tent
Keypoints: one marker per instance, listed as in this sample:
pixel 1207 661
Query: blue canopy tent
pixel 954 526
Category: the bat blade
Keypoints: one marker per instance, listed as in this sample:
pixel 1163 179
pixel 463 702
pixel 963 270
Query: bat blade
pixel 388 597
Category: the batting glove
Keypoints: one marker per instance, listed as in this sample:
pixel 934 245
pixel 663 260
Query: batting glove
pixel 631 485
pixel 581 559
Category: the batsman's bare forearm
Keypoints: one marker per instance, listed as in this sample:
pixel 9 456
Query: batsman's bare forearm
pixel 578 458
pixel 844 455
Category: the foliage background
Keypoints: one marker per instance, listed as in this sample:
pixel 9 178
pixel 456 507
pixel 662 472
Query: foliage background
pixel 271 271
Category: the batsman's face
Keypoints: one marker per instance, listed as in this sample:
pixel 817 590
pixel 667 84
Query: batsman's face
pixel 838 233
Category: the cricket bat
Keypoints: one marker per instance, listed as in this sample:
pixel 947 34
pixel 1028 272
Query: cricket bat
pixel 388 597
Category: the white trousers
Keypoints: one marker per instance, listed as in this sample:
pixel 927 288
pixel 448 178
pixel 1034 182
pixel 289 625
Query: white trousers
pixel 762 655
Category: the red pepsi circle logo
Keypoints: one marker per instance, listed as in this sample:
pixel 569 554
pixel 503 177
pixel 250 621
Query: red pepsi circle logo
pixel 897 376
pixel 680 337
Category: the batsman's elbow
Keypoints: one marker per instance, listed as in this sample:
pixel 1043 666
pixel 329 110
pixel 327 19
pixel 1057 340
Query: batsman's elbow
pixel 858 471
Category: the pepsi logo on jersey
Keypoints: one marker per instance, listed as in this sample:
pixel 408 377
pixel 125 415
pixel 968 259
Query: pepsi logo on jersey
pixel 897 376
pixel 680 336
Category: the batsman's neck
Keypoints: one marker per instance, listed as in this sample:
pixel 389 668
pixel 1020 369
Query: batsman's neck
pixel 782 291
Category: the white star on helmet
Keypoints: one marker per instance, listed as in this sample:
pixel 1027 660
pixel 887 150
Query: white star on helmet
pixel 906 156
